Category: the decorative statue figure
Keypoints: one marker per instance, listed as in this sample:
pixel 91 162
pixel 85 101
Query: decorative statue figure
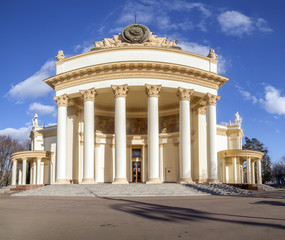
pixel 35 121
pixel 238 119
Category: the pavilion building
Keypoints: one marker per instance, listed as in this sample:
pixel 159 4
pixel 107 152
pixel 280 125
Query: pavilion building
pixel 136 108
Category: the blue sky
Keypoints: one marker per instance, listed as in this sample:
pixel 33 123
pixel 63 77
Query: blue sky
pixel 248 36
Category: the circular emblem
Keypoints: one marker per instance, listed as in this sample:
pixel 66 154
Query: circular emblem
pixel 136 33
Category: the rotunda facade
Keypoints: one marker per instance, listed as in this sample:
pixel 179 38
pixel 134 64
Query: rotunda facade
pixel 136 108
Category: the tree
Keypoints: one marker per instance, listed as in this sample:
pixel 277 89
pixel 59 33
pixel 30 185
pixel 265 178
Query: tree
pixel 7 147
pixel 278 171
pixel 254 144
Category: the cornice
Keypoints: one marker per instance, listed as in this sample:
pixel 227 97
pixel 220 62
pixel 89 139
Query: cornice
pixel 241 153
pixel 31 155
pixel 136 47
pixel 136 69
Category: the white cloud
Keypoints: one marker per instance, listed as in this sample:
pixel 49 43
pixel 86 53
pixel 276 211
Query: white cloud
pixel 42 109
pixel 246 95
pixel 235 23
pixel 204 50
pixel 262 26
pixel 33 87
pixel 194 47
pixel 21 134
pixel 86 46
pixel 273 102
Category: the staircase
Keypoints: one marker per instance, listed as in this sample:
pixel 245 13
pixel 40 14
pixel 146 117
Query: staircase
pixel 19 188
pixel 134 190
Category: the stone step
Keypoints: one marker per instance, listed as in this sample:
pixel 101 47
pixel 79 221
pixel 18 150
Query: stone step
pixel 21 188
pixel 134 189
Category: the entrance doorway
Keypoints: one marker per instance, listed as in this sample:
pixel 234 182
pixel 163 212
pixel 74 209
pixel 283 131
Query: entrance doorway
pixel 136 165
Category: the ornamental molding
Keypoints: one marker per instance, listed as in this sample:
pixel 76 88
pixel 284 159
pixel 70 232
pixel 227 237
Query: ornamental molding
pixel 184 94
pixel 254 155
pixel 31 155
pixel 152 90
pixel 120 90
pixel 88 94
pixel 135 35
pixel 221 131
pixel 62 101
pixel 211 99
pixel 142 69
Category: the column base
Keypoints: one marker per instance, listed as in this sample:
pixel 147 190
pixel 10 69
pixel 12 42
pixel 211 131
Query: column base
pixel 185 181
pixel 153 181
pixel 88 181
pixel 60 181
pixel 201 180
pixel 120 181
pixel 215 180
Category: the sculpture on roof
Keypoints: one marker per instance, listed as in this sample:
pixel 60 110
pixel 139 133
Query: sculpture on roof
pixel 238 120
pixel 212 54
pixel 135 34
pixel 35 121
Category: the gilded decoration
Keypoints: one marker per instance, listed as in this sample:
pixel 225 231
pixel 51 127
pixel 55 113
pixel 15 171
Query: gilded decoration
pixel 211 99
pixel 120 90
pixel 184 94
pixel 152 90
pixel 89 94
pixel 169 124
pixel 135 34
pixel 62 101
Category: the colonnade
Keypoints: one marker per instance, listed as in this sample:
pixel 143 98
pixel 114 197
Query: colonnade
pixel 236 161
pixel 120 94
pixel 35 158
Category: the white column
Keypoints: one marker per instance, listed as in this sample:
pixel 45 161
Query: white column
pixel 62 102
pixel 185 135
pixel 20 175
pixel 24 170
pixel 89 135
pixel 224 169
pixel 31 173
pixel 248 170
pixel 235 169
pixel 120 93
pixel 38 171
pixel 211 138
pixel 14 172
pixel 34 173
pixel 99 164
pixel 259 176
pixel 161 167
pixel 153 133
pixel 252 172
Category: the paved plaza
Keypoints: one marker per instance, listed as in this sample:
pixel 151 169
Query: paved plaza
pixel 259 216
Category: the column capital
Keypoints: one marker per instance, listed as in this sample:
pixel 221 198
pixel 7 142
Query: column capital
pixel 211 99
pixel 120 90
pixel 152 90
pixel 62 101
pixel 201 110
pixel 184 93
pixel 88 94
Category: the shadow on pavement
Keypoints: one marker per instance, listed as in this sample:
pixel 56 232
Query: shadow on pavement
pixel 164 213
